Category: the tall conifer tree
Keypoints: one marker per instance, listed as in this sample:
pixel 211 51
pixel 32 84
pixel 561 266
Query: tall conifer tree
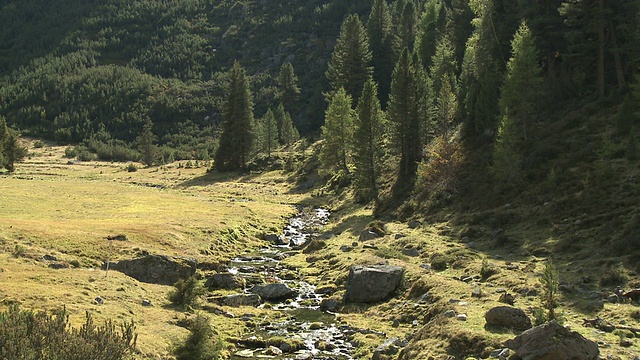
pixel 288 90
pixel 337 133
pixel 406 103
pixel 368 144
pixel 349 66
pixel 521 88
pixel 379 29
pixel 269 132
pixel 237 135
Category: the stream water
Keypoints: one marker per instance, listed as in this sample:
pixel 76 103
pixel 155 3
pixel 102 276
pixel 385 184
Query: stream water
pixel 305 323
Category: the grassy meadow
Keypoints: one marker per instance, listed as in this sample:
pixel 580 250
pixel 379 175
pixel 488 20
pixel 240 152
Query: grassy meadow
pixel 67 209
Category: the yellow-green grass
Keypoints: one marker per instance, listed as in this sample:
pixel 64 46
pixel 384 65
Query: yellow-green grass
pixel 54 206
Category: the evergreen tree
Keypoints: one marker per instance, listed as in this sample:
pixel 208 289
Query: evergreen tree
pixel 237 136
pixel 269 133
pixel 12 151
pixel 405 111
pixel 4 129
pixel 146 144
pixel 441 75
pixel 446 107
pixel 379 30
pixel 521 89
pixel 429 30
pixel 288 133
pixel 507 161
pixel 368 144
pixel 288 90
pixel 406 28
pixel 349 65
pixel 337 133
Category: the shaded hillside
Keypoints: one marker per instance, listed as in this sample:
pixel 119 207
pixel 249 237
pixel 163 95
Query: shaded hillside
pixel 112 64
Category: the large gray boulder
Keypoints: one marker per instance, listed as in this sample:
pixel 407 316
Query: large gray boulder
pixel 374 283
pixel 551 341
pixel 225 281
pixel 276 291
pixel 157 269
pixel 508 317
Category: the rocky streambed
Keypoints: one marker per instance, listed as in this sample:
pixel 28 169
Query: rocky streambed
pixel 305 330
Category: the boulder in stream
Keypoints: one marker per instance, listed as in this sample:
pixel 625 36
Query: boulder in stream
pixel 372 283
pixel 277 291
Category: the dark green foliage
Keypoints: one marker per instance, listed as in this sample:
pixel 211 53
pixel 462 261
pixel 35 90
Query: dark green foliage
pixel 288 90
pixel 146 144
pixel 380 41
pixel 626 117
pixel 614 276
pixel 203 343
pixel 237 135
pixel 288 133
pixel 368 143
pixel 507 159
pixel 406 110
pixel 186 292
pixel 337 133
pixel 268 131
pixel 11 150
pixel 39 336
pixel 349 66
pixel 405 26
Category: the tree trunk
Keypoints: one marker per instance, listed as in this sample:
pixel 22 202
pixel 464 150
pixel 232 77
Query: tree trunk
pixel 622 84
pixel 601 39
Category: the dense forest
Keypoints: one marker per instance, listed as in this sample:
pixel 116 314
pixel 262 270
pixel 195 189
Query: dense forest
pixel 408 79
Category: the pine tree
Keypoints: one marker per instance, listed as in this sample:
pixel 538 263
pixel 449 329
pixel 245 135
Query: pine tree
pixel 507 161
pixel 12 151
pixel 441 75
pixel 4 129
pixel 288 134
pixel 349 66
pixel 237 135
pixel 368 144
pixel 406 28
pixel 406 104
pixel 288 90
pixel 446 107
pixel 379 30
pixel 269 133
pixel 521 89
pixel 337 133
pixel 146 144
pixel 429 30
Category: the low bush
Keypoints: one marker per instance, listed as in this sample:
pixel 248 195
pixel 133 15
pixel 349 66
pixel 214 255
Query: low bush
pixel 202 344
pixel 186 292
pixel 28 335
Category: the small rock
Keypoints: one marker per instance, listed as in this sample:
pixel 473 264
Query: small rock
pixel 396 323
pixel 399 236
pixel 626 343
pixel 246 353
pixel 368 234
pixel 501 354
pixel 613 298
pixel 329 304
pixel 507 298
pixel 119 237
pixel 273 351
pixel 413 224
pixel 146 302
pixel 99 300
pixel 426 266
pixel 411 252
pixel 461 317
pixel 463 303
pixel 477 293
pixel 49 258
pixel 345 248
pixel 449 313
pixel 285 346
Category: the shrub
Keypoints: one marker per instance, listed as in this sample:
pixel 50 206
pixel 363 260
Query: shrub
pixel 487 269
pixel 38 144
pixel 132 168
pixel 19 250
pixel 550 281
pixel 613 276
pixel 202 344
pixel 186 292
pixel 29 335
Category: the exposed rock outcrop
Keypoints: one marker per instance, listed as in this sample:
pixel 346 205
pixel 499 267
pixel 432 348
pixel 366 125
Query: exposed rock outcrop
pixel 372 283
pixel 551 341
pixel 157 269
pixel 225 281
